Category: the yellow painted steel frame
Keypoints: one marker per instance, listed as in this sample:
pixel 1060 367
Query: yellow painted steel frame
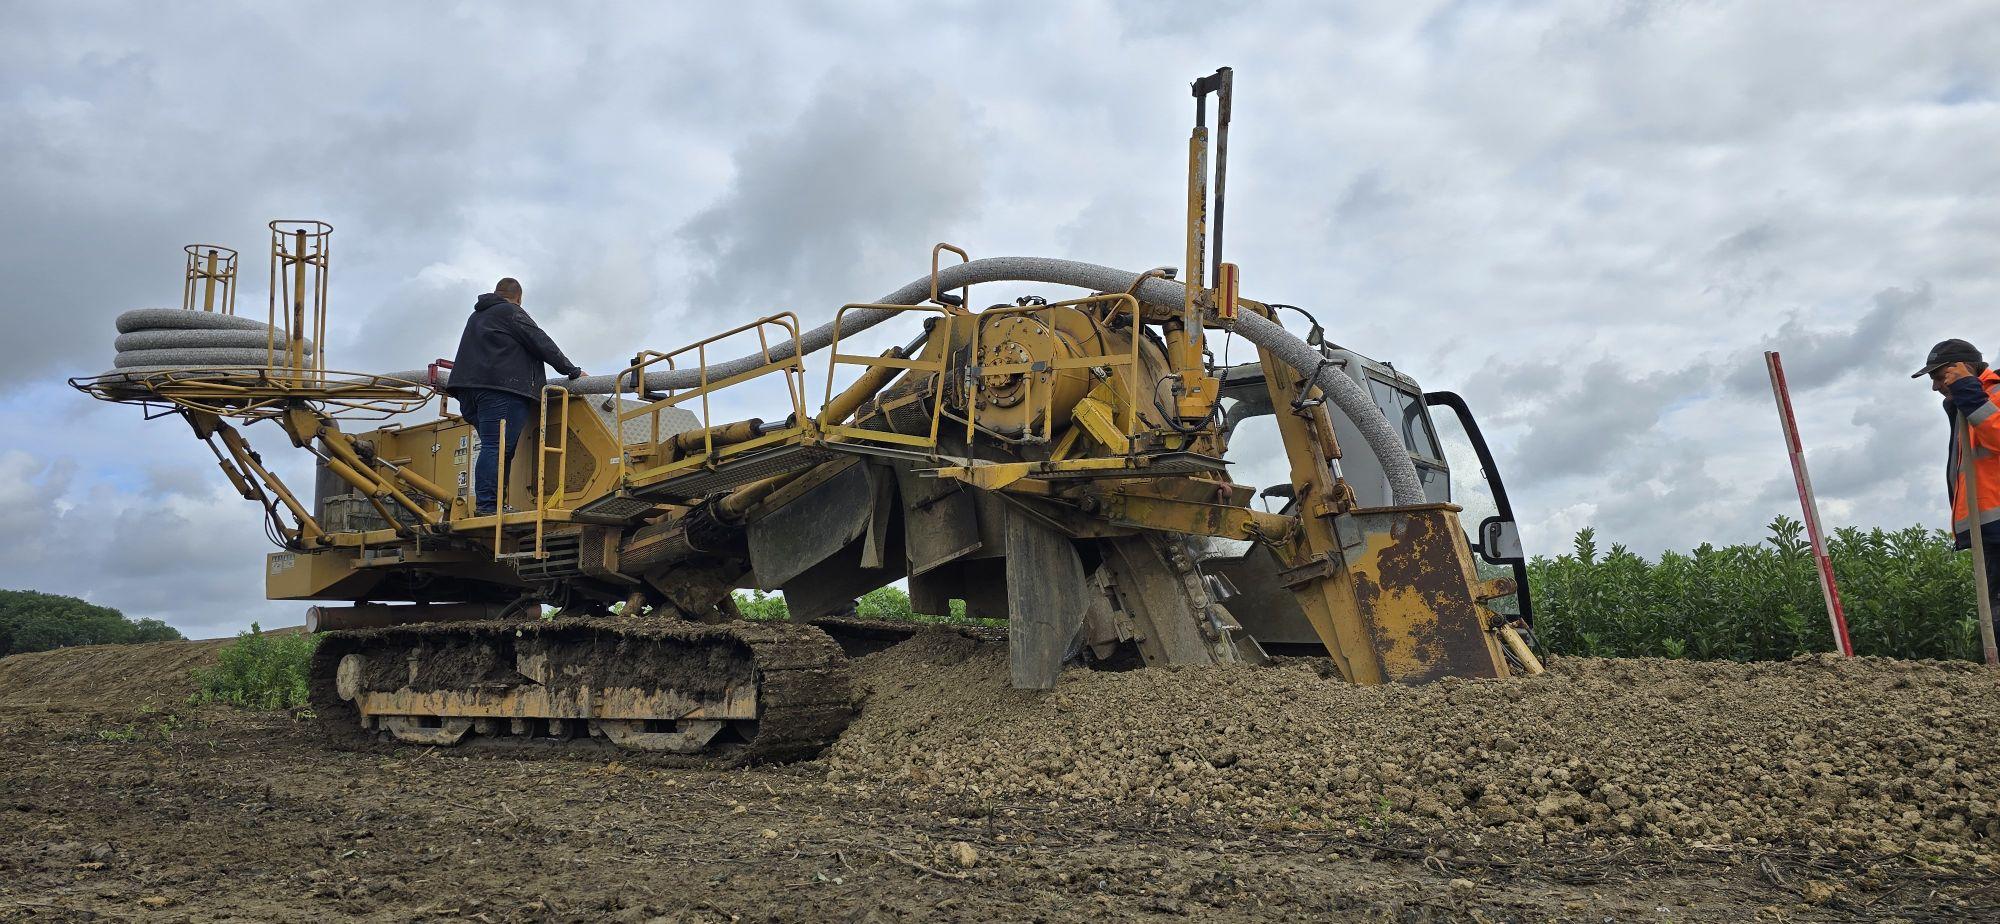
pixel 303 247
pixel 1030 370
pixel 935 366
pixel 792 366
pixel 214 266
pixel 544 498
pixel 344 460
pixel 1195 517
pixel 1422 603
pixel 308 529
pixel 253 393
pixel 964 292
pixel 499 491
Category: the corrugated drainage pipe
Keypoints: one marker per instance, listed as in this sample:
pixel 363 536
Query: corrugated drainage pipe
pixel 1376 430
pixel 157 339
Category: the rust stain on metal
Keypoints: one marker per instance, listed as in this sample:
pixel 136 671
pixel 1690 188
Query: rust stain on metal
pixel 1414 589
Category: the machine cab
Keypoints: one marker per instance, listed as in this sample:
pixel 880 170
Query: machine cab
pixel 1274 618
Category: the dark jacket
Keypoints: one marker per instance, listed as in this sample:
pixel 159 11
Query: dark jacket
pixel 503 350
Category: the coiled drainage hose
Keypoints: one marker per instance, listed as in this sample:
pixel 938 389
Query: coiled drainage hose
pixel 157 339
pixel 168 338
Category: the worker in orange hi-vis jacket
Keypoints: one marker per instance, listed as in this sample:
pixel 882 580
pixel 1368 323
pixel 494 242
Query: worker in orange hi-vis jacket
pixel 1972 392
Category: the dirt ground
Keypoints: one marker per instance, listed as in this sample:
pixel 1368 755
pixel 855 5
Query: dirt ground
pixel 116 807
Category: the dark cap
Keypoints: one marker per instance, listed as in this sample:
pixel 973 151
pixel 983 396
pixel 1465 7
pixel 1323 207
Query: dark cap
pixel 1946 353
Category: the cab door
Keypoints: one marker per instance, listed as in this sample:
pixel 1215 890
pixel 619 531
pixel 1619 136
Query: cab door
pixel 1497 538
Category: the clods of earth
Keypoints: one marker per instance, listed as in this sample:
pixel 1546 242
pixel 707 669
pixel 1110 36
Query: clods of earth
pixel 1863 754
pixel 1609 790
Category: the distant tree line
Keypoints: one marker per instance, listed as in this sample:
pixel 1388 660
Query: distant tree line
pixel 32 621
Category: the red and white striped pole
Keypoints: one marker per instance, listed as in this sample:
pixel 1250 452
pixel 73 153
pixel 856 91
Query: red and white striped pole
pixel 1834 613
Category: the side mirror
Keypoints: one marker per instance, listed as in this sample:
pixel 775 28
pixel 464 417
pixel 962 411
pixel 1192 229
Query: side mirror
pixel 1500 540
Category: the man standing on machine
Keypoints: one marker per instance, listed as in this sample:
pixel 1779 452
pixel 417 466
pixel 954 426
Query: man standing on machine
pixel 497 376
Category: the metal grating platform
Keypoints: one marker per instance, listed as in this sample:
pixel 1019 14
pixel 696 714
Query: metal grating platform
pixel 615 509
pixel 734 473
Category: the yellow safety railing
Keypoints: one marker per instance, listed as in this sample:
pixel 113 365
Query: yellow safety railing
pixel 299 262
pixel 941 333
pixel 1047 370
pixel 784 327
pixel 546 499
pixel 964 292
pixel 499 491
pixel 211 268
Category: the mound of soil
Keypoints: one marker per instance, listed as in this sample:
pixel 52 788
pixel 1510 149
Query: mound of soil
pixel 106 677
pixel 1869 754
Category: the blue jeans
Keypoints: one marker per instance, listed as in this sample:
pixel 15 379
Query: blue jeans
pixel 486 408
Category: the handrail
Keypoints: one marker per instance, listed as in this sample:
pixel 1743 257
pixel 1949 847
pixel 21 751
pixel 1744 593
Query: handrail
pixel 214 266
pixel 298 297
pixel 791 364
pixel 975 374
pixel 499 490
pixel 543 496
pixel 937 366
pixel 964 291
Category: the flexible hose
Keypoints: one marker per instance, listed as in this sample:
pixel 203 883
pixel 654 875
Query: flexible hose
pixel 158 339
pixel 1352 400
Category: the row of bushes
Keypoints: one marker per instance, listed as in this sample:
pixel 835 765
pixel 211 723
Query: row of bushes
pixel 1907 594
pixel 32 621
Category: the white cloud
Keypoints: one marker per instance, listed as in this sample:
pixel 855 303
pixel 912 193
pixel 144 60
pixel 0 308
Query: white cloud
pixel 1587 218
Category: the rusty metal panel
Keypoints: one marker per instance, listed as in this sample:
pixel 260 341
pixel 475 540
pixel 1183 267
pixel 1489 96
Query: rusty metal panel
pixel 1046 600
pixel 1415 584
pixel 811 528
pixel 940 520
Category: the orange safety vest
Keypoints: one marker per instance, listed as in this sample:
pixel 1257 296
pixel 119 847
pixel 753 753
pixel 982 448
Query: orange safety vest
pixel 1985 423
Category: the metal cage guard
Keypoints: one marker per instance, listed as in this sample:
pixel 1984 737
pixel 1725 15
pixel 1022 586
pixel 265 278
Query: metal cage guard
pixel 792 366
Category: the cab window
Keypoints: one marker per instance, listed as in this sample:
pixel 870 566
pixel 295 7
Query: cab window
pixel 1406 412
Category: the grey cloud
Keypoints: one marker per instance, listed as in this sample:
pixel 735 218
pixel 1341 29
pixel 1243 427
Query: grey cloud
pixel 1816 356
pixel 1602 416
pixel 857 176
pixel 1588 218
pixel 1898 440
pixel 195 559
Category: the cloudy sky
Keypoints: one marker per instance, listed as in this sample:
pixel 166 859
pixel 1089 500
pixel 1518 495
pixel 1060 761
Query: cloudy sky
pixel 1588 217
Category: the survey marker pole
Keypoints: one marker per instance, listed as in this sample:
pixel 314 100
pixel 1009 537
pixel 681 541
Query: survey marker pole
pixel 1827 586
pixel 1969 483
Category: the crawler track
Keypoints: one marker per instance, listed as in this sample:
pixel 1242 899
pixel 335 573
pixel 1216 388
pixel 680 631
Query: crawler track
pixel 764 691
